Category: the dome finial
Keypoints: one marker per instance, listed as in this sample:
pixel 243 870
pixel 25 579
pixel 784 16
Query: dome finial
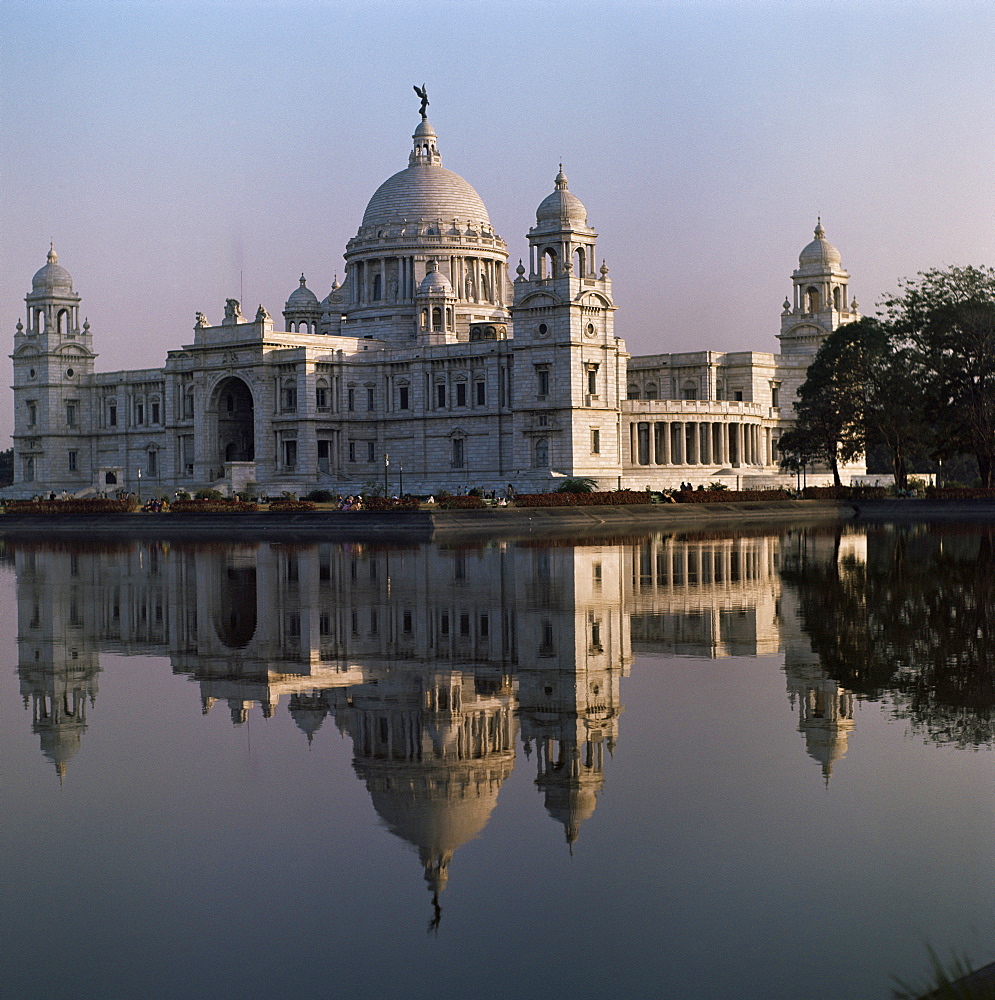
pixel 303 280
pixel 820 233
pixel 561 180
pixel 53 257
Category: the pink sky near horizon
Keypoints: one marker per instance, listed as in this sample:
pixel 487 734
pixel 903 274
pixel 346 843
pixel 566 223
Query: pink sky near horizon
pixel 174 150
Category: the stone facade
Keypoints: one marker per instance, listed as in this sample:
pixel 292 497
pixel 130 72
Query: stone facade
pixel 426 364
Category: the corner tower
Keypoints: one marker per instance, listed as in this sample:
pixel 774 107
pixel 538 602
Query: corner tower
pixel 820 288
pixel 568 363
pixel 53 368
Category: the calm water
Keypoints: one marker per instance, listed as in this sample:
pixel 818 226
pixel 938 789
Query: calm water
pixel 717 766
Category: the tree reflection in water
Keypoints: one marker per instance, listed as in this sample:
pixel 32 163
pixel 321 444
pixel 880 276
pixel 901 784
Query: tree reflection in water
pixel 912 622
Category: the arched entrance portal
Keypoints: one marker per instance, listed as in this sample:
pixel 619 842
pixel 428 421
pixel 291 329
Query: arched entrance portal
pixel 236 424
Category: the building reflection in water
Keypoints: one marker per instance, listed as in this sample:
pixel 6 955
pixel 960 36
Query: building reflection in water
pixel 430 659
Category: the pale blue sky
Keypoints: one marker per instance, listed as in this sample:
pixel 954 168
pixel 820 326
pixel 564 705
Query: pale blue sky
pixel 167 146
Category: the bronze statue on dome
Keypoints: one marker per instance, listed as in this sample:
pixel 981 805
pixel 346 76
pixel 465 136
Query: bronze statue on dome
pixel 422 92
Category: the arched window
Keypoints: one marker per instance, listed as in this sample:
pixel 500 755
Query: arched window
pixel 541 453
pixel 449 319
pixel 62 323
pixel 549 265
pixel 812 299
pixel 485 286
pixel 836 299
pixel 29 470
pixel 581 262
pixel 436 319
pixel 40 320
pixel 321 394
pixel 689 391
pixel 632 392
pixel 424 319
pixel 651 390
pixel 377 286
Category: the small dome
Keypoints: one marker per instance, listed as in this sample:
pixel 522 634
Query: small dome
pixel 435 282
pixel 52 278
pixel 561 204
pixel 302 298
pixel 820 254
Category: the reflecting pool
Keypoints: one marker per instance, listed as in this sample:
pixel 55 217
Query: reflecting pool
pixel 710 766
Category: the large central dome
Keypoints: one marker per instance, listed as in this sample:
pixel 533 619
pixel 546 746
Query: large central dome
pixel 425 191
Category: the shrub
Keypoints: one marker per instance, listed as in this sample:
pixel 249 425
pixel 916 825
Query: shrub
pixel 212 507
pixel 389 503
pixel 290 506
pixel 209 494
pixel 844 492
pixel 461 503
pixel 728 496
pixel 579 484
pixel 76 507
pixel 960 493
pixel 319 496
pixel 615 498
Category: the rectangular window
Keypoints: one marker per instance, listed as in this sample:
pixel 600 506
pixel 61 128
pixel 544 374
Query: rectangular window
pixel 352 451
pixel 371 449
pixel 461 393
pixel 290 399
pixel 112 415
pixel 290 454
pixel 457 453
pixel 155 411
pixel 543 382
pixel 370 398
pixel 73 455
pixel 153 463
pixel 402 397
pixel 406 623
pixel 592 381
pixel 324 454
pixel 71 413
pixel 187 406
pixel 139 414
pixel 481 394
pixel 485 626
pixel 440 396
pixel 595 441
pixel 321 397
pixel 775 394
pixel 351 399
pixel 738 397
pixel 32 413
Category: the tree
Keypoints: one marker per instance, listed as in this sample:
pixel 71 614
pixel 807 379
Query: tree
pixel 947 316
pixel 6 467
pixel 831 404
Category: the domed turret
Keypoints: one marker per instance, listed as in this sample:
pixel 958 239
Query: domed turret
pixel 820 254
pixel 52 278
pixel 435 282
pixel 561 206
pixel 302 311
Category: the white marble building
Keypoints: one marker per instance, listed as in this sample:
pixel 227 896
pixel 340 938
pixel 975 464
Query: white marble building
pixel 426 352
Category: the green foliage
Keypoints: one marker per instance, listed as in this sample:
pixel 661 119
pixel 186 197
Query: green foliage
pixel 717 486
pixel 6 467
pixel 209 494
pixel 578 484
pixel 319 496
pixel 947 317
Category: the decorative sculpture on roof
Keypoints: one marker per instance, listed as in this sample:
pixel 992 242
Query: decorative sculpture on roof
pixel 422 92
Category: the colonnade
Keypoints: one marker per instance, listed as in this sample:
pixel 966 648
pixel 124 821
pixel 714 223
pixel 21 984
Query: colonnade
pixel 685 442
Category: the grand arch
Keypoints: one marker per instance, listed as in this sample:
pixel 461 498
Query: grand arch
pixel 232 403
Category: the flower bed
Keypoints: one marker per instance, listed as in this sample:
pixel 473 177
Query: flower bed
pixel 960 493
pixel 461 503
pixel 389 503
pixel 74 507
pixel 291 506
pixel 616 498
pixel 212 507
pixel 728 496
pixel 844 492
